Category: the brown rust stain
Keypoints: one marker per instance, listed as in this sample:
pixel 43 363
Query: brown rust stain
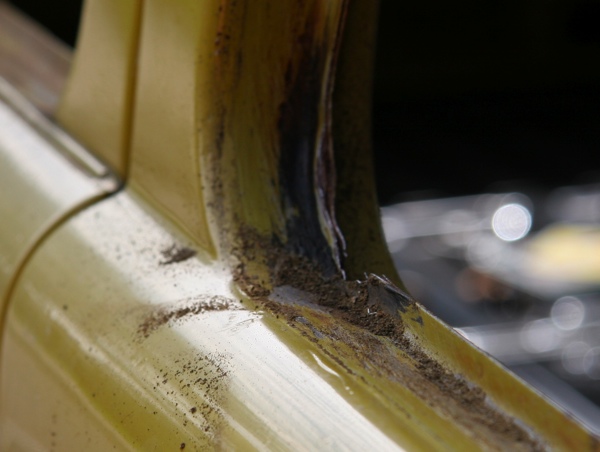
pixel 358 321
pixel 291 121
pixel 361 322
pixel 375 344
pixel 372 304
pixel 306 150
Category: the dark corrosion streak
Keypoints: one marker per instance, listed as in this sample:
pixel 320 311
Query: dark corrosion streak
pixel 306 164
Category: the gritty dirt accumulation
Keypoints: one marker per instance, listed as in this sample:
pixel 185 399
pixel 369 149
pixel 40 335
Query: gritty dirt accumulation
pixel 208 372
pixel 167 314
pixel 175 254
pixel 372 306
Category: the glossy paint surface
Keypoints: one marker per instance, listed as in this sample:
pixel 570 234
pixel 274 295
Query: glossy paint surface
pixel 96 104
pixel 85 352
pixel 42 180
pixel 127 327
pixel 111 343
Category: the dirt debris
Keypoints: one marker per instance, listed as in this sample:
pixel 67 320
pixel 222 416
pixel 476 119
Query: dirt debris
pixel 175 254
pixel 450 393
pixel 195 387
pixel 250 284
pixel 163 315
pixel 373 305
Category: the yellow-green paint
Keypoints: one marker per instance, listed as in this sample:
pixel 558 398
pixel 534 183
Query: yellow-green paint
pixel 39 186
pixel 83 334
pixel 210 134
pixel 96 106
pixel 168 131
pixel 357 209
pixel 76 353
pixel 98 350
pixel 509 393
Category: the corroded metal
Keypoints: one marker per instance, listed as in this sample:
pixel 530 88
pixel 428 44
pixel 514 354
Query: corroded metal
pixel 211 304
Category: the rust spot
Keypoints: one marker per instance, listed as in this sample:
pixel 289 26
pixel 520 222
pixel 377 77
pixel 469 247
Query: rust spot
pixel 375 354
pixel 306 168
pixel 250 284
pixel 360 321
pixel 372 304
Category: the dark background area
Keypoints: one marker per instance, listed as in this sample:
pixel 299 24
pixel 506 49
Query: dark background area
pixel 470 96
pixel 474 96
pixel 60 17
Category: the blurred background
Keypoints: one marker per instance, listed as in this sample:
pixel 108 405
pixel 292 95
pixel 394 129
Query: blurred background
pixel 486 152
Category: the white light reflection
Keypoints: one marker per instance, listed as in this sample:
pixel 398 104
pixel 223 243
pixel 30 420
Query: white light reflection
pixel 485 252
pixel 591 363
pixel 568 313
pixel 572 358
pixel 395 232
pixel 539 336
pixel 457 227
pixel 473 336
pixel 511 222
pixel 324 366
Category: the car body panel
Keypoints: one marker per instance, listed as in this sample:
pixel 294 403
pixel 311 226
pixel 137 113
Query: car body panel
pixel 44 176
pixel 122 360
pixel 112 342
pixel 125 330
pixel 102 80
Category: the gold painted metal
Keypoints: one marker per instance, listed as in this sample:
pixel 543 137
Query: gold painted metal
pixel 44 176
pixel 165 155
pixel 117 335
pixel 148 376
pixel 96 105
pixel 231 62
pixel 558 429
pixel 357 208
pixel 172 353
